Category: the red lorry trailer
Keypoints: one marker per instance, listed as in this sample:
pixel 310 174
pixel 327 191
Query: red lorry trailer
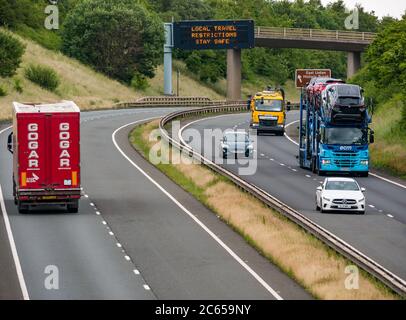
pixel 45 143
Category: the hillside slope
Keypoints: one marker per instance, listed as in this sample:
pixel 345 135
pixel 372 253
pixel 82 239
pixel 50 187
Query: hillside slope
pixel 88 88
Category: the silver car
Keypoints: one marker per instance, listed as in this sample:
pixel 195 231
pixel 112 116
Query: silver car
pixel 236 142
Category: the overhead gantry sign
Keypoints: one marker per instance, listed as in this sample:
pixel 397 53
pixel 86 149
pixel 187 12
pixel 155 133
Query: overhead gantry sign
pixel 232 35
pixel 203 35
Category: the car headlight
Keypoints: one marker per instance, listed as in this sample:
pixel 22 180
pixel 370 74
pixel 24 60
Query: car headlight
pixel 327 199
pixel 364 162
pixel 324 161
pixel 361 200
pixel 255 124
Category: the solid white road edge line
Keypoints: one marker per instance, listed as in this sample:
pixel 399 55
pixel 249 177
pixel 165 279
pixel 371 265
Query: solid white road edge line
pixel 371 173
pixel 201 224
pixel 13 247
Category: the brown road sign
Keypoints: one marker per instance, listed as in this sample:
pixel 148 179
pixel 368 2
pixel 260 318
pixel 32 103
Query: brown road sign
pixel 303 76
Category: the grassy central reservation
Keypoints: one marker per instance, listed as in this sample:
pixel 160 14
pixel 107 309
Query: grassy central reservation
pixel 320 270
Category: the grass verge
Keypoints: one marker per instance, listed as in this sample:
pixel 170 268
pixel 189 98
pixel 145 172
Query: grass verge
pixel 304 258
pixel 388 153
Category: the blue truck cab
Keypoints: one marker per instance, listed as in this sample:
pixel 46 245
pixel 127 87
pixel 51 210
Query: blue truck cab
pixel 335 137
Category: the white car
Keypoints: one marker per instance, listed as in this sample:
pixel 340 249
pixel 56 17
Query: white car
pixel 340 194
pixel 236 142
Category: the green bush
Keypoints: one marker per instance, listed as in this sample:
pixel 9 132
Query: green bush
pixel 43 76
pixel 11 52
pixel 139 82
pixel 46 38
pixel 18 86
pixel 3 92
pixel 116 37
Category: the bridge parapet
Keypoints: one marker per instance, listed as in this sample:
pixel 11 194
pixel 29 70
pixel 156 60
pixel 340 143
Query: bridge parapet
pixel 314 34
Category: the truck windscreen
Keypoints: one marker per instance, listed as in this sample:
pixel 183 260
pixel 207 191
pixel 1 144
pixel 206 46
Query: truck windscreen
pixel 345 136
pixel 268 105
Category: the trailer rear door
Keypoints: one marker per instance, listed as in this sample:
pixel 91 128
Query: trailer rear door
pixel 64 167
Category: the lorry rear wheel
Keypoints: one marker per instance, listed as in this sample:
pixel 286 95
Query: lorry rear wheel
pixel 73 208
pixel 314 169
pixel 23 208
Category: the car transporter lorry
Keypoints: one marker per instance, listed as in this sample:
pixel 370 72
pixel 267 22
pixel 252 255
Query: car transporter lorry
pixel 334 133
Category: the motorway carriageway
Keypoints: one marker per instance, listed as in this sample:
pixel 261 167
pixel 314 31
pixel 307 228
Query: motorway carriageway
pixel 136 236
pixel 380 233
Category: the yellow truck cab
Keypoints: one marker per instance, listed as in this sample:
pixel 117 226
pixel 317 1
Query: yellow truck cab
pixel 268 111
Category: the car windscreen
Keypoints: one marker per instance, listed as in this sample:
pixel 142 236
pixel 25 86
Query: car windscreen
pixel 236 137
pixel 268 105
pixel 345 136
pixel 342 185
pixel 349 91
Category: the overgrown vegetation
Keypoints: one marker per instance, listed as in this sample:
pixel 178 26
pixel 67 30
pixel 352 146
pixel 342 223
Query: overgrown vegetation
pixel 120 38
pixel 11 51
pixel 3 91
pixel 43 76
pixel 304 258
pixel 384 80
pixel 26 17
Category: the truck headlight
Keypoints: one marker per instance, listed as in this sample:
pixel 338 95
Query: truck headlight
pixel 255 124
pixel 325 161
pixel 364 162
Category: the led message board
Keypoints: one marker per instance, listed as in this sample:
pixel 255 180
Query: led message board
pixel 203 35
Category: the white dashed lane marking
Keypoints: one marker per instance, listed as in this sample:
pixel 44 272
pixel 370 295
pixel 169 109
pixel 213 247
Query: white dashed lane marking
pixel 118 244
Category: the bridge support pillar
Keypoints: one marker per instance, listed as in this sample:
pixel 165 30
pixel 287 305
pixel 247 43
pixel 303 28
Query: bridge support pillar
pixel 233 74
pixel 353 63
pixel 168 59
